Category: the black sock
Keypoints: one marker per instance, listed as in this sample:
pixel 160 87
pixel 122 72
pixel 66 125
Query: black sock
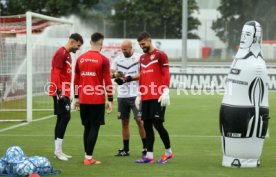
pixel 92 138
pixel 126 145
pixel 144 143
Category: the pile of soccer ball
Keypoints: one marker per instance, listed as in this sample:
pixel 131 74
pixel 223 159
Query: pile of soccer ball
pixel 16 163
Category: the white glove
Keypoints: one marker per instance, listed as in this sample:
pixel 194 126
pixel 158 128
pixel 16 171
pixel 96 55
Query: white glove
pixel 164 99
pixel 75 104
pixel 138 100
pixel 109 107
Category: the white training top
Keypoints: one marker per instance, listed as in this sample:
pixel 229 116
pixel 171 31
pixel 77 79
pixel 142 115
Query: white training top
pixel 129 66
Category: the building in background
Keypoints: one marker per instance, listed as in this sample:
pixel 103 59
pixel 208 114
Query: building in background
pixel 207 13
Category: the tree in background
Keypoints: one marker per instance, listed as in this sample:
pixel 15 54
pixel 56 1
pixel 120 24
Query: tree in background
pixel 163 19
pixel 236 12
pixel 3 8
pixel 48 7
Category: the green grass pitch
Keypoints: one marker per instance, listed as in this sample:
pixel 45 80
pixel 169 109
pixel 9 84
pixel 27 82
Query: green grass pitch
pixel 191 120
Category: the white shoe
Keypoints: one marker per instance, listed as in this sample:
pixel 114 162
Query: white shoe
pixel 67 156
pixel 60 156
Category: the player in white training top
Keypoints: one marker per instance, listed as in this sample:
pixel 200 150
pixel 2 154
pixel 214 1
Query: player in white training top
pixel 125 70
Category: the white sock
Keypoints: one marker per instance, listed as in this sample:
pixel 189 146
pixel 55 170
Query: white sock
pixel 149 155
pixel 168 151
pixel 59 144
pixel 88 157
pixel 56 146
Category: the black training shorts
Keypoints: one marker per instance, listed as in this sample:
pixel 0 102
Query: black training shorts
pixel 151 109
pixel 92 114
pixel 62 106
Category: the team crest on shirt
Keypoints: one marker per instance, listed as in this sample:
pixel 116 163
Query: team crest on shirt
pixel 152 56
pixel 119 114
pixel 133 59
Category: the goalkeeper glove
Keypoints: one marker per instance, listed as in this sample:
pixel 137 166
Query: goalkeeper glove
pixel 119 74
pixel 59 95
pixel 109 107
pixel 119 81
pixel 138 100
pixel 75 104
pixel 128 79
pixel 164 99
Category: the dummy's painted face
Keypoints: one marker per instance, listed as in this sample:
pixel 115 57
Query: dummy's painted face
pixel 247 36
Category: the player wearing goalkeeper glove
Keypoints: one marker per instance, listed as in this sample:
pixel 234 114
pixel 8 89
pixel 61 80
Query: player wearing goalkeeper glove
pixel 125 70
pixel 92 80
pixel 60 89
pixel 154 95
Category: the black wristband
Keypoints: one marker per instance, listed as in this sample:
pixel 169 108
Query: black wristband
pixel 119 81
pixel 129 79
pixel 76 96
pixel 110 99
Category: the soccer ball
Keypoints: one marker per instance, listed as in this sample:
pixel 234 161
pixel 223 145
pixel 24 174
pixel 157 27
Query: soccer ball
pixel 14 154
pixel 2 166
pixel 24 168
pixel 42 164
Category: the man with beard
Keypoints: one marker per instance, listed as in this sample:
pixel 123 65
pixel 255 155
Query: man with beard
pixel 61 76
pixel 154 95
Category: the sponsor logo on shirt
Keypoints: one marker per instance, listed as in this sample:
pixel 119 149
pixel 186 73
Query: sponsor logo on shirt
pixel 86 73
pixel 88 60
pixel 131 72
pixel 69 70
pixel 148 71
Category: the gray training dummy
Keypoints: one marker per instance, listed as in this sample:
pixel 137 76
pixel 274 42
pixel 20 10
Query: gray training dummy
pixel 244 110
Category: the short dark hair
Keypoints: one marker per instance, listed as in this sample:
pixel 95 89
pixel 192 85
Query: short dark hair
pixel 95 37
pixel 143 35
pixel 76 37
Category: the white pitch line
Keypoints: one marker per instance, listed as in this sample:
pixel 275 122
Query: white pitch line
pixel 106 135
pixel 43 118
pixel 25 123
pixel 14 126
